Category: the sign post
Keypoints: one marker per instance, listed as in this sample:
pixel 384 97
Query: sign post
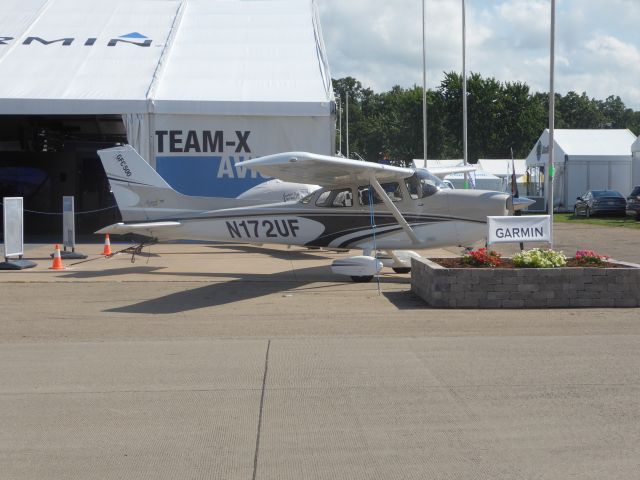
pixel 69 230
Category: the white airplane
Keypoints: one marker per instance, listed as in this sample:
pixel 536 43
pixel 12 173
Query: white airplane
pixel 361 205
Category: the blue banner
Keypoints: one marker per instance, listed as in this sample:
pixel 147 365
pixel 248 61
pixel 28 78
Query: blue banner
pixel 208 176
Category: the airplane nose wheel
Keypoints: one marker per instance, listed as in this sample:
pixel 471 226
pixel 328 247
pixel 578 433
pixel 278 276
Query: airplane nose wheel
pixel 362 279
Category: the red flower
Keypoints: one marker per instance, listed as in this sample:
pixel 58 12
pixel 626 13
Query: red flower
pixel 587 257
pixel 482 258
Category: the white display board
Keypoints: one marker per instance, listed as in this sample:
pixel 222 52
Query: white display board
pixel 68 223
pixel 13 227
pixel 516 229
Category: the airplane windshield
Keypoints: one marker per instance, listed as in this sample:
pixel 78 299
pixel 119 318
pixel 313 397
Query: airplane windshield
pixel 307 199
pixel 423 184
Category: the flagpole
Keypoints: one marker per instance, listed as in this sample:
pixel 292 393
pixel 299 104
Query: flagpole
pixel 464 95
pixel 552 106
pixel 347 122
pixel 424 85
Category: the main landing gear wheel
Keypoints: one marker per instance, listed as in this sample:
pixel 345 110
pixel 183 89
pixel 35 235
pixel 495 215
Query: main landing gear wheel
pixel 401 269
pixel 362 279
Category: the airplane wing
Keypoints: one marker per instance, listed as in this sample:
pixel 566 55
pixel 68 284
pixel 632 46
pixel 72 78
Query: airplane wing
pixel 302 167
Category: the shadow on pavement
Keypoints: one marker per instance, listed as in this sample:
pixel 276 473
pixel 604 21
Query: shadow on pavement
pixel 405 300
pixel 289 254
pixel 248 286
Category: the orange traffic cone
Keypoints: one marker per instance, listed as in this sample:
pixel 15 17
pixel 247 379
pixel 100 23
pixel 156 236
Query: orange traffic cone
pixel 57 260
pixel 107 246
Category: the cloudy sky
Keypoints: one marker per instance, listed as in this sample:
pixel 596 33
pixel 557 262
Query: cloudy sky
pixel 379 42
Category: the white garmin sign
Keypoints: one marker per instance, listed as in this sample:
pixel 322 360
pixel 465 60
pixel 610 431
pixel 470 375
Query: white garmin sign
pixel 530 228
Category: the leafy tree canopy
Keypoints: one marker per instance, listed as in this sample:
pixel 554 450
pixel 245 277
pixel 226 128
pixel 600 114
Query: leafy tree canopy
pixel 503 117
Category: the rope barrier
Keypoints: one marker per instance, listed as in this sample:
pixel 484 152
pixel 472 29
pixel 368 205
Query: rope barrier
pixel 86 212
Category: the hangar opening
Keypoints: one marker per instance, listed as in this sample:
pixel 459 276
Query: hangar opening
pixel 45 157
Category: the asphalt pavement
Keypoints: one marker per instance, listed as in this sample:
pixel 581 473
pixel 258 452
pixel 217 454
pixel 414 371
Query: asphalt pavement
pixel 248 362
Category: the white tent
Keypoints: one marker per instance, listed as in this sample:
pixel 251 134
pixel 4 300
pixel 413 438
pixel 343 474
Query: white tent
pixel 479 180
pixel 503 169
pixel 635 162
pixel 584 160
pixel 201 84
pixel 436 163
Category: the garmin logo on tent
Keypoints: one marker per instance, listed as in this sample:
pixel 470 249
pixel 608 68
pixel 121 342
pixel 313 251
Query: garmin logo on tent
pixel 133 38
pixel 177 141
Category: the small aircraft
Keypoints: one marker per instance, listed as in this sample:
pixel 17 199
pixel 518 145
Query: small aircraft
pixel 361 205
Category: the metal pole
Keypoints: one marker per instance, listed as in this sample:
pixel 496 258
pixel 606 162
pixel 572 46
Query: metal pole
pixel 424 85
pixel 347 120
pixel 340 123
pixel 464 95
pixel 552 106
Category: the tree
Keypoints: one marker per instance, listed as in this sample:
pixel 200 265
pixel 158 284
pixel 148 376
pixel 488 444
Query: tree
pixel 501 117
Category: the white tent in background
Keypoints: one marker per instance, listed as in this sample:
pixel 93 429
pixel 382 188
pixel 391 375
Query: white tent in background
pixel 482 180
pixel 433 163
pixel 584 160
pixel 503 169
pixel 635 162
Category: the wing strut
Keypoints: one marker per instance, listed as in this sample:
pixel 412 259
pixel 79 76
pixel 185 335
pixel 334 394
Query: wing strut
pixel 394 210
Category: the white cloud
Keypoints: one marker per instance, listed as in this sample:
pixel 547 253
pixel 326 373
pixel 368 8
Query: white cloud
pixel 379 42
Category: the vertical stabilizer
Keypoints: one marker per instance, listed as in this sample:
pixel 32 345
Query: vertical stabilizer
pixel 143 195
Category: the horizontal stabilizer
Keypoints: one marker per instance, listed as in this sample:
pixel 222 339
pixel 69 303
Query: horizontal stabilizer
pixel 122 228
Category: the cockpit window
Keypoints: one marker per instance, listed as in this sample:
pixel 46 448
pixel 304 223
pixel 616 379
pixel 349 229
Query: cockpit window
pixel 335 198
pixel 367 193
pixel 422 184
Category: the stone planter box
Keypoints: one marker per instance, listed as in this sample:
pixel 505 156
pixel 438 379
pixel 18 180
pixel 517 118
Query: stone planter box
pixel 525 287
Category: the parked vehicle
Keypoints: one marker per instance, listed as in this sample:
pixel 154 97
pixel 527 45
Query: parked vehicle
pixel 633 202
pixel 595 202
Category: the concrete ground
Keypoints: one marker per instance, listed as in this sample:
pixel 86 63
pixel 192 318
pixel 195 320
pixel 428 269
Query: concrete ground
pixel 241 362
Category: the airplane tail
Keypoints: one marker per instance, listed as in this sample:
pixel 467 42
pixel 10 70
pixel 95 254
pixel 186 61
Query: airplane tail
pixel 143 195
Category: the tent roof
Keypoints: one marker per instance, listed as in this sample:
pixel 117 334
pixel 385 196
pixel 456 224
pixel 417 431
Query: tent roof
pixel 478 174
pixel 636 145
pixel 605 142
pixel 230 57
pixel 501 167
pixel 433 163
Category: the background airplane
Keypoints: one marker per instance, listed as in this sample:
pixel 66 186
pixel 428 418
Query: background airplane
pixel 361 205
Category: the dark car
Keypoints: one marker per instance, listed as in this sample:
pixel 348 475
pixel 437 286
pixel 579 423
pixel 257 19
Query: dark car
pixel 633 202
pixel 596 202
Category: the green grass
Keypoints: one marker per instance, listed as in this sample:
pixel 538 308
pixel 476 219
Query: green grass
pixel 622 222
